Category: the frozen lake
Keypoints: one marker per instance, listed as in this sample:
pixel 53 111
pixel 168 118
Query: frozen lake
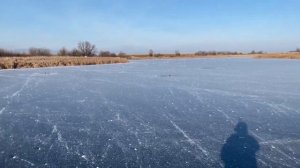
pixel 155 113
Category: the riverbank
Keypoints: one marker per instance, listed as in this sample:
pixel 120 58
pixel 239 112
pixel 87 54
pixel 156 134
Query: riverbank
pixel 53 61
pixel 295 55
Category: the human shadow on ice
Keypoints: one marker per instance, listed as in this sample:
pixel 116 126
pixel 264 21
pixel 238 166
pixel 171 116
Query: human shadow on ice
pixel 240 149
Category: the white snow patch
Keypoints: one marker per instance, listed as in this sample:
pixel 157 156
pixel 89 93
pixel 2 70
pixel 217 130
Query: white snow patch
pixel 54 130
pixel 84 157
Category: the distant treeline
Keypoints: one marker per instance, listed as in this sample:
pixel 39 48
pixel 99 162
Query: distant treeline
pixel 30 52
pixel 204 53
pixel 83 49
pixel 198 53
pixel 7 53
pixel 88 50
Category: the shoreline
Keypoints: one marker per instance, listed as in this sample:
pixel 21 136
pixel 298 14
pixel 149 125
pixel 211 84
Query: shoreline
pixel 69 61
pixel 295 55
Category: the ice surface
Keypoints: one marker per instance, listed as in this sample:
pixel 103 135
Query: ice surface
pixel 154 113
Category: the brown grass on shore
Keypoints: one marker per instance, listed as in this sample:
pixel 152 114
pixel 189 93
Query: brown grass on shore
pixel 52 61
pixel 295 55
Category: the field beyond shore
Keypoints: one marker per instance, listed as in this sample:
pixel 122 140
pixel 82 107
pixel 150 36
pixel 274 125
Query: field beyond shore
pixel 53 61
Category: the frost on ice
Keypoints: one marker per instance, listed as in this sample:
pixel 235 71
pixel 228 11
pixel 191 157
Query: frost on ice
pixel 166 113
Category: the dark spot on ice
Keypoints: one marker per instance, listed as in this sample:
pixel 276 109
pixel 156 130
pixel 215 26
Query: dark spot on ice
pixel 36 148
pixel 167 76
pixel 240 149
pixel 207 68
pixel 10 156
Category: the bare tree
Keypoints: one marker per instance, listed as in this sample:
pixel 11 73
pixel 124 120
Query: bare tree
pixel 107 54
pixel 7 53
pixel 104 53
pixel 177 53
pixel 158 55
pixel 200 53
pixel 256 52
pixel 75 52
pixel 122 54
pixel 113 55
pixel 151 53
pixel 63 52
pixel 39 52
pixel 86 48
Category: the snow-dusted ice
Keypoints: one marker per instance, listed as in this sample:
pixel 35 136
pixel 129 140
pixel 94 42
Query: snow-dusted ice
pixel 151 113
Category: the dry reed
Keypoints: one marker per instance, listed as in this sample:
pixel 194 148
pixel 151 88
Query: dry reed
pixel 39 61
pixel 280 55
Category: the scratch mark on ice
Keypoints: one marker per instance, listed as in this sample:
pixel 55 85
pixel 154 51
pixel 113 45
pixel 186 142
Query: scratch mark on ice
pixel 280 141
pixel 2 110
pixel 105 152
pixel 17 93
pixel 275 148
pixel 192 142
pixel 84 157
pixel 59 137
pixel 225 115
pixel 23 160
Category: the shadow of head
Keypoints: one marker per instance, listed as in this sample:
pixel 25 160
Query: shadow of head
pixel 240 149
pixel 241 129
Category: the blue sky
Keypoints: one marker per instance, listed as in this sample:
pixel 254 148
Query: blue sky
pixel 135 26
